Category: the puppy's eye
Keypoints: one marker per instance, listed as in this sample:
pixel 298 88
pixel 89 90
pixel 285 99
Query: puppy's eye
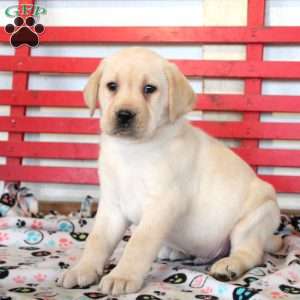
pixel 149 89
pixel 112 86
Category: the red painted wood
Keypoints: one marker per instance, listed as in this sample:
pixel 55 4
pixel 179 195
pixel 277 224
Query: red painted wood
pixel 42 98
pixel 234 69
pixel 50 150
pixel 78 151
pixel 50 125
pixel 49 174
pixel 270 157
pixel 19 83
pixel 213 102
pixel 283 184
pixel 248 131
pixel 91 126
pixel 178 35
pixel 256 13
pixel 255 103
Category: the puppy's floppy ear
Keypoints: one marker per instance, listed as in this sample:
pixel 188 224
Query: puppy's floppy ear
pixel 90 91
pixel 181 95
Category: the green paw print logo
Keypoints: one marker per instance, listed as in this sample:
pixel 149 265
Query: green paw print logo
pixel 177 278
pixel 33 237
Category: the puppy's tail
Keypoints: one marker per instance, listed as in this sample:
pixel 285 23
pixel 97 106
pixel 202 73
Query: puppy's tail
pixel 274 244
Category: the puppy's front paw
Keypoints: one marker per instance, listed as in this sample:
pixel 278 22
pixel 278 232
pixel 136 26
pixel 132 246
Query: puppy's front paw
pixel 118 284
pixel 226 269
pixel 81 275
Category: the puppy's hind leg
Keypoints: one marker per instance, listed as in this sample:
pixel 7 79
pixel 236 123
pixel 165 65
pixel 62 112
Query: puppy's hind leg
pixel 249 239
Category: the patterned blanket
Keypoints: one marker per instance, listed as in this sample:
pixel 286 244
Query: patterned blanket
pixel 34 249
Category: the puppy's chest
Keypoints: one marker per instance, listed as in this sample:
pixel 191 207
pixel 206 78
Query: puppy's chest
pixel 134 186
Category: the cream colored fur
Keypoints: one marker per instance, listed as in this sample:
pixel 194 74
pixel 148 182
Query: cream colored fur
pixel 181 187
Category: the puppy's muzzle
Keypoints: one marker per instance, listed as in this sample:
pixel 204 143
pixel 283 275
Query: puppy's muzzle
pixel 125 119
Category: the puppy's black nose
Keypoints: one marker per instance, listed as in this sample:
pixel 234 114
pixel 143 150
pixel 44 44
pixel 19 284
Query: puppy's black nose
pixel 125 118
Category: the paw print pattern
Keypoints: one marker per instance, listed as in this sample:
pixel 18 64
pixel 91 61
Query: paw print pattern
pixel 3 224
pixel 178 278
pixel 40 253
pixel 21 223
pixel 29 248
pixel 40 277
pixel 288 289
pixel 23 290
pixel 63 265
pixel 206 297
pixel 65 243
pixel 4 272
pixel 36 224
pixel 79 236
pixel 24 32
pixel 248 281
pixel 198 281
pixel 242 293
pixel 95 295
pixel 147 297
pixel 19 279
pixel 277 295
pixel 82 222
pixel 33 237
pixel 3 236
pixel 65 226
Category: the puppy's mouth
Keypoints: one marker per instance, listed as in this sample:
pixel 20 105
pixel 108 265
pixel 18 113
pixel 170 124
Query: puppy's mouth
pixel 124 132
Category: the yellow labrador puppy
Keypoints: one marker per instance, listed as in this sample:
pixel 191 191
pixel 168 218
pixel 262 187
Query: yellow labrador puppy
pixel 186 192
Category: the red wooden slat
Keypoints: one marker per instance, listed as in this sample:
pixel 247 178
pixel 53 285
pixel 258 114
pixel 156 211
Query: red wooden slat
pixel 49 64
pixel 91 126
pixel 49 174
pixel 283 184
pixel 256 13
pixel 19 83
pixel 50 125
pixel 256 157
pixel 269 157
pixel 234 69
pixel 255 103
pixel 127 35
pixel 42 98
pixel 248 131
pixel 212 102
pixel 50 150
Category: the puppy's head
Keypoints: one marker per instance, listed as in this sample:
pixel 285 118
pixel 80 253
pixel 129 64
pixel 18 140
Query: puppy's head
pixel 139 92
